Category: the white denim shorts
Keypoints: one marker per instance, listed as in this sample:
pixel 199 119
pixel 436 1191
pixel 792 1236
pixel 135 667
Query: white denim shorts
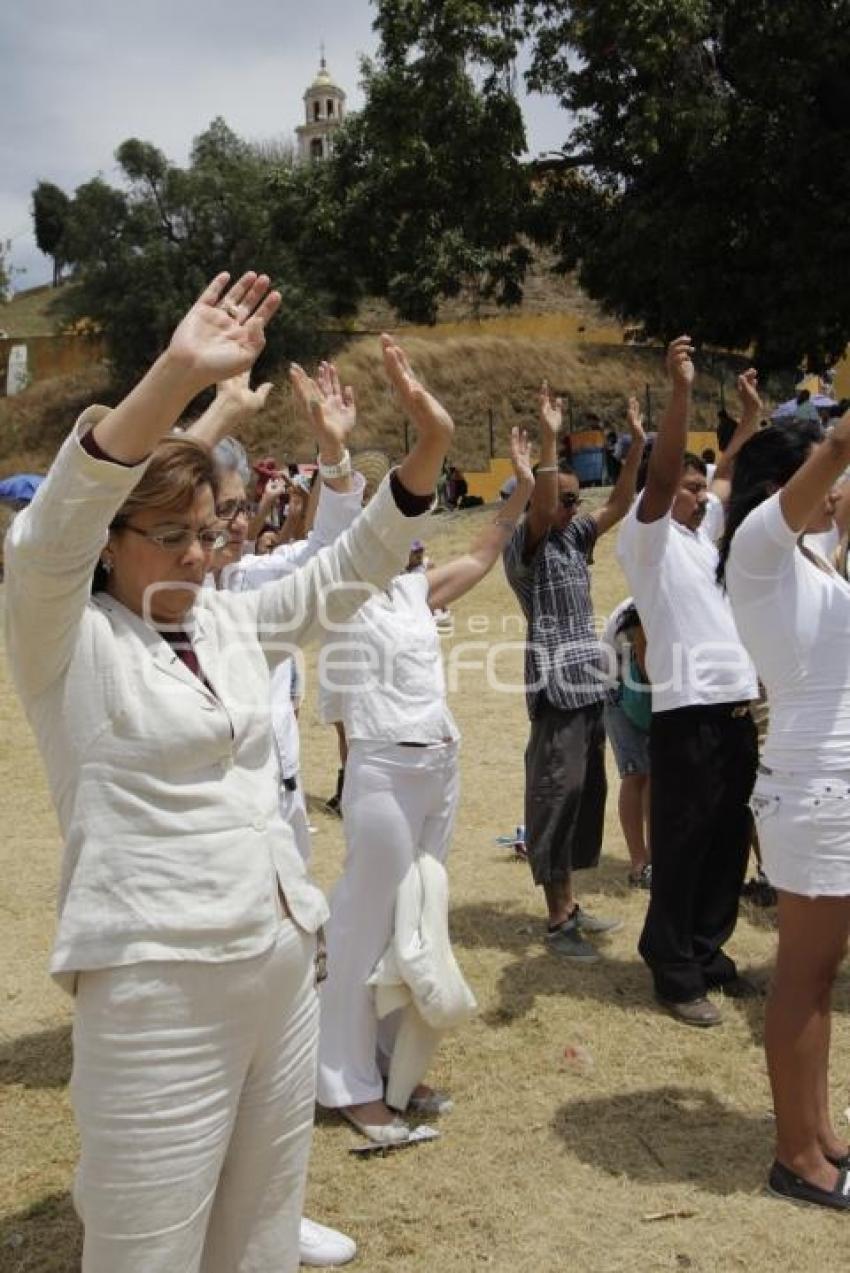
pixel 803 824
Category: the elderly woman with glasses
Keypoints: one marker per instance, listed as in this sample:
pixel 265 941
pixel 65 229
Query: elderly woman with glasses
pixel 186 918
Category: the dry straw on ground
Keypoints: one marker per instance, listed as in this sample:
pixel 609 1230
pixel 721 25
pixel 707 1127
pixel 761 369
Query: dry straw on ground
pixel 654 1160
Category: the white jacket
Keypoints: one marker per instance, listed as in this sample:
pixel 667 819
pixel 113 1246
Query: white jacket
pixel 419 974
pixel 166 793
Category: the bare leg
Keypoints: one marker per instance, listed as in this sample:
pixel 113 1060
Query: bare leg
pixel 559 900
pixel 631 808
pixel 812 942
pixel 342 742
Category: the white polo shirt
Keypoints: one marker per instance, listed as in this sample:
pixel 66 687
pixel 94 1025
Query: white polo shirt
pixel 694 654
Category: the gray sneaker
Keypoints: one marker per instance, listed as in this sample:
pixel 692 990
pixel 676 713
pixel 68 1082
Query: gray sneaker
pixel 595 923
pixel 567 942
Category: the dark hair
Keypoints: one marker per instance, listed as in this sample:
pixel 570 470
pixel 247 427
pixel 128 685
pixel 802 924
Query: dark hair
pixel 566 468
pixel 628 620
pixel 690 460
pixel 709 455
pixel 726 426
pixel 763 465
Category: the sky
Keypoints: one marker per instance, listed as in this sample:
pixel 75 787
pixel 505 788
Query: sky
pixel 78 77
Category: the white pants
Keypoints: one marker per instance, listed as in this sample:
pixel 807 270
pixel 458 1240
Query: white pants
pixel 293 810
pixel 193 1088
pixel 397 802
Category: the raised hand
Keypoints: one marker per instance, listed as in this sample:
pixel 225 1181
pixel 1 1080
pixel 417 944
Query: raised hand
pixel 223 333
pixel 429 417
pixel 521 456
pixel 328 406
pixel 748 390
pixel 680 366
pixel 634 420
pixel 240 398
pixel 551 412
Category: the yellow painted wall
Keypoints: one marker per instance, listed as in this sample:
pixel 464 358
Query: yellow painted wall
pixel 487 483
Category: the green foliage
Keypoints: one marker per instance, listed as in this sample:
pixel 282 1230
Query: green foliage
pixel 427 185
pixel 704 177
pixel 143 253
pixel 714 136
pixel 50 209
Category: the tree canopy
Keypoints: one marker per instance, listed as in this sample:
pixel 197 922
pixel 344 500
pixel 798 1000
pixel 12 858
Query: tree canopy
pixel 704 174
pixel 143 252
pixel 702 184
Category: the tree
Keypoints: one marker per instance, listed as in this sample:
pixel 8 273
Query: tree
pixel 50 208
pixel 703 179
pixel 142 253
pixel 426 189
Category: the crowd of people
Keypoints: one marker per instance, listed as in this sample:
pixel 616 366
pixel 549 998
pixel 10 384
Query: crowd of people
pixel 160 589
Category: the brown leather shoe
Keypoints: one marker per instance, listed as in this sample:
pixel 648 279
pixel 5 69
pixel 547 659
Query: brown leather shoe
pixel 698 1012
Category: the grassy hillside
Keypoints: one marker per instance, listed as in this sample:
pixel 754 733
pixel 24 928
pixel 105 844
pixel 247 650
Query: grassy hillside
pixel 28 313
pixel 472 374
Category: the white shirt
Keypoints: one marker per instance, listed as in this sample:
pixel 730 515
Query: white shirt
pixel 615 645
pixel 383 676
pixel 823 542
pixel 335 512
pixel 794 618
pixel 694 654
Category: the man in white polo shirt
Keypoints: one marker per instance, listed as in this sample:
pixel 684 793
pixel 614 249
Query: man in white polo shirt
pixel 703 751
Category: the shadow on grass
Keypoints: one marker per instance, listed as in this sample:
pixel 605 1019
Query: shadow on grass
pixel 671 1134
pixel 46 1237
pixel 37 1060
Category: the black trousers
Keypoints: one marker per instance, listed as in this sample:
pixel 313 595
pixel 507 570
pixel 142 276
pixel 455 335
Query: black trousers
pixel 702 770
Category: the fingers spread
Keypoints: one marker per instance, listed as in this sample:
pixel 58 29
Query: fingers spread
pixel 211 294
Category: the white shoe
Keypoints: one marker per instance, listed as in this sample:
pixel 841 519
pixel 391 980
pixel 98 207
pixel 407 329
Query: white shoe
pixel 432 1105
pixel 394 1133
pixel 324 1248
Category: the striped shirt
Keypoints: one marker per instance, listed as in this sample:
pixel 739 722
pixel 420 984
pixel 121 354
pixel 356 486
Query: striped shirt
pixel 564 662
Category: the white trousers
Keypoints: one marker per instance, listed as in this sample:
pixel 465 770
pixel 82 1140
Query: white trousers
pixel 193 1088
pixel 397 802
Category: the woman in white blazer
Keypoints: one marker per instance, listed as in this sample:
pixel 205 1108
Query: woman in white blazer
pixel 186 918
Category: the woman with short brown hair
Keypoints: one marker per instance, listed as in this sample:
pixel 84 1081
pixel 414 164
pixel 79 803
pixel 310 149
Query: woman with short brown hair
pixel 186 918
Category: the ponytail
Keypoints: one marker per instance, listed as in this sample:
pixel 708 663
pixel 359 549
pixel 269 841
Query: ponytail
pixel 762 467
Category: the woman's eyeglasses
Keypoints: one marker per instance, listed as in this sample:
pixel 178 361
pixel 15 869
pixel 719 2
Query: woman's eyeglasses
pixel 569 500
pixel 177 539
pixel 231 509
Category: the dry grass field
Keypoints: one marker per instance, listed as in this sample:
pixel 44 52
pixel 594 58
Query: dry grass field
pixel 654 1159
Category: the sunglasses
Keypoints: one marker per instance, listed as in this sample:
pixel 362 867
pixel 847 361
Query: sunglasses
pixel 569 500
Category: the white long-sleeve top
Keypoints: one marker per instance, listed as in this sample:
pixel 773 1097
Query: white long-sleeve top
pixel 165 791
pixel 335 512
pixel 381 673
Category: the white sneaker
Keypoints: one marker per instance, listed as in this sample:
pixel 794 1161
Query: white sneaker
pixel 324 1248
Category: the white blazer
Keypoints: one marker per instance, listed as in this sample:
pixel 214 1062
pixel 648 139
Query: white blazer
pixel 166 792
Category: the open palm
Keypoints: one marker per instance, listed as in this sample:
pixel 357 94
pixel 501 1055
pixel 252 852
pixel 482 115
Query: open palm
pixel 429 417
pixel 223 333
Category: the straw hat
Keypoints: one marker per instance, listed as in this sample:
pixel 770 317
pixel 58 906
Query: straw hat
pixel 373 465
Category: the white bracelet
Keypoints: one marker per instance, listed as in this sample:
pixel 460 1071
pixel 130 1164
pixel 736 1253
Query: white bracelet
pixel 329 472
pixel 547 468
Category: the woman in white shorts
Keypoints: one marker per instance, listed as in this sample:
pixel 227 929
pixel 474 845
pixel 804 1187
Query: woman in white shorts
pixel 792 611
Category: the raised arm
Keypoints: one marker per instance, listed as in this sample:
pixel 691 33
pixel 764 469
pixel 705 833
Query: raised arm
pixel 665 464
pixel 235 402
pixel 803 495
pixel 620 499
pixel 54 545
pixel 447 583
pixel 221 336
pixel 544 499
pixel 748 426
